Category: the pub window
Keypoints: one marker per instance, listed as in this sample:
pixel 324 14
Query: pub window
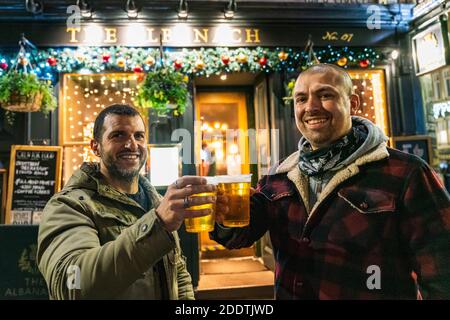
pixel 441 133
pixel 427 88
pixel 446 77
pixel 83 97
pixel 436 80
pixel 371 88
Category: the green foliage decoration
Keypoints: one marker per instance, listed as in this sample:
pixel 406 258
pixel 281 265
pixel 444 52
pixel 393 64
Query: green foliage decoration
pixel 27 85
pixel 165 91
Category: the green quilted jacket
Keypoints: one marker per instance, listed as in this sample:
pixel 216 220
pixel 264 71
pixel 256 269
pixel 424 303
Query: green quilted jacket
pixel 91 245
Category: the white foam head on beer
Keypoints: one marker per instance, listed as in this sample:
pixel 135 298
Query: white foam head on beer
pixel 241 178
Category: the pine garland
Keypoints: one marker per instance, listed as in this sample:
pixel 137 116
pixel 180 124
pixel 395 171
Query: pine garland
pixel 190 62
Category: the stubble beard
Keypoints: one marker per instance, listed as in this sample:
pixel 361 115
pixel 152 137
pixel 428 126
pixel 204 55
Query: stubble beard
pixel 128 175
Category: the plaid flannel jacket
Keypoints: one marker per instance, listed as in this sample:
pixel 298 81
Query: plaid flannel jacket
pixel 377 221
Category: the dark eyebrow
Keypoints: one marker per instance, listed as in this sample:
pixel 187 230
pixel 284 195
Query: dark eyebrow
pixel 123 132
pixel 115 132
pixel 326 89
pixel 299 94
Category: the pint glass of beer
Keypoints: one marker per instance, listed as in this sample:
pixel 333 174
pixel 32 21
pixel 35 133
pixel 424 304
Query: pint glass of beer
pixel 237 189
pixel 205 223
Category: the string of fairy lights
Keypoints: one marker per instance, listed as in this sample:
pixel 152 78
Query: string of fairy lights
pixel 49 63
pixel 84 96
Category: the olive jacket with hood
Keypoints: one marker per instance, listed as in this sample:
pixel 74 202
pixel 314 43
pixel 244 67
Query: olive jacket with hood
pixel 92 245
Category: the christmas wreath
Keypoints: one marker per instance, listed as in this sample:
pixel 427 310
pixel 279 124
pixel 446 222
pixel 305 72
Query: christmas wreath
pixel 165 91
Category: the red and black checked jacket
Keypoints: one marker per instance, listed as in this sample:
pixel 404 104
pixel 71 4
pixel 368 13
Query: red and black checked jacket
pixel 386 212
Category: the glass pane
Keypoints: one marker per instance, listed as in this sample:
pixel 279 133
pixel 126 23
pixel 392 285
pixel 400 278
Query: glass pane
pixel 370 87
pixel 83 97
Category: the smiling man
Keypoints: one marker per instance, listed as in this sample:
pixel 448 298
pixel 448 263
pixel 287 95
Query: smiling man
pixel 108 234
pixel 349 217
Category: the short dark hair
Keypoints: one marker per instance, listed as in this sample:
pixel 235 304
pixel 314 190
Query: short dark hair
pixel 119 109
pixel 344 77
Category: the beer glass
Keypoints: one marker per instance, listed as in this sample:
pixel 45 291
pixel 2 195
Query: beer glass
pixel 205 223
pixel 237 189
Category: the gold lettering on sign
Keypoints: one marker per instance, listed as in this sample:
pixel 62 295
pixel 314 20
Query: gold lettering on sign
pixel 347 37
pixel 330 36
pixel 252 33
pixel 238 31
pixel 111 35
pixel 150 35
pixel 201 35
pixel 73 34
pixel 334 36
pixel 166 34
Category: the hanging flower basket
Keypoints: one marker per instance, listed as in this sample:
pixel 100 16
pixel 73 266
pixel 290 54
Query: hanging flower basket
pixel 20 103
pixel 20 88
pixel 24 92
pixel 165 91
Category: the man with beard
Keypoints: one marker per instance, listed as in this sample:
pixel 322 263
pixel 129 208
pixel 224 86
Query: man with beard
pixel 349 217
pixel 108 234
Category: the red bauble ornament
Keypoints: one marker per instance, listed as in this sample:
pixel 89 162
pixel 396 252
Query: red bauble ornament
pixel 262 61
pixel 138 69
pixel 106 57
pixel 3 65
pixel 178 64
pixel 225 59
pixel 364 63
pixel 52 61
pixel 140 76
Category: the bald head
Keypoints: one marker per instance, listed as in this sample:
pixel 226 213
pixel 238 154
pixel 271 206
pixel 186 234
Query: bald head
pixel 341 77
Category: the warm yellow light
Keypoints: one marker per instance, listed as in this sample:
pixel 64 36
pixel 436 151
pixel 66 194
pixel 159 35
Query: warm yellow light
pixel 224 34
pixel 233 148
pixel 135 33
pixel 93 34
pixel 224 127
pixel 219 154
pixel 217 145
pixel 217 125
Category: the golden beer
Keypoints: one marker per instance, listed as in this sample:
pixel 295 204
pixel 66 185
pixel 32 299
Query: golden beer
pixel 205 223
pixel 237 189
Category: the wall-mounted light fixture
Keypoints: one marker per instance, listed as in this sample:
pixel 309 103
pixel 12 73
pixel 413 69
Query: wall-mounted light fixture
pixel 85 8
pixel 131 9
pixel 230 9
pixel 34 6
pixel 183 9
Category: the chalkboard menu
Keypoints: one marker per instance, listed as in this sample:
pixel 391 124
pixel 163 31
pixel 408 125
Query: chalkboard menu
pixel 2 195
pixel 34 177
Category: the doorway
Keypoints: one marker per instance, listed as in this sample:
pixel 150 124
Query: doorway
pixel 224 145
pixel 223 149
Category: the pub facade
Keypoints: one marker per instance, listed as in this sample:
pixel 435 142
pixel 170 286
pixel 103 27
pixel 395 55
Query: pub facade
pixel 239 70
